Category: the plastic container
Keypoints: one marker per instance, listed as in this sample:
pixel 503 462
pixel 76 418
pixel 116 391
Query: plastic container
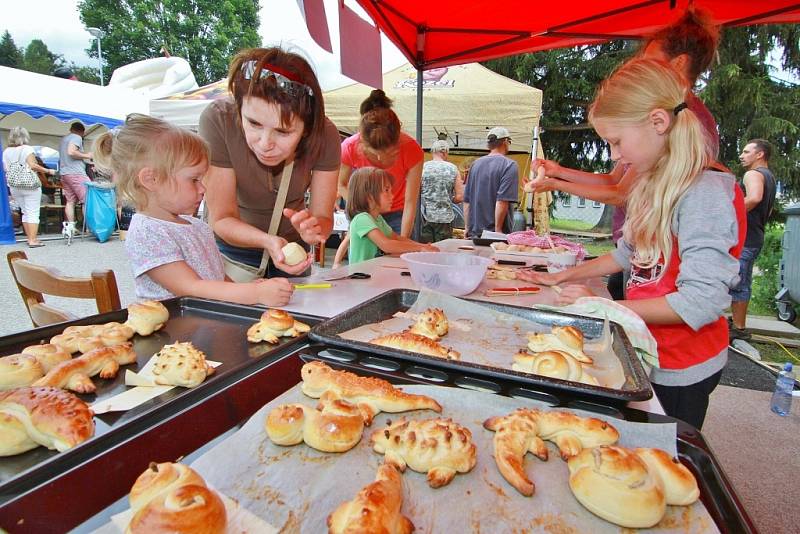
pixel 561 261
pixel 453 273
pixel 782 398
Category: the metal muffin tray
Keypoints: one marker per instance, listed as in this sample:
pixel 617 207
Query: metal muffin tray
pixel 635 388
pixel 216 328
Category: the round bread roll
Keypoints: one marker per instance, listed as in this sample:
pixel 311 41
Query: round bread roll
pixel 19 370
pixel 294 254
pixel 147 317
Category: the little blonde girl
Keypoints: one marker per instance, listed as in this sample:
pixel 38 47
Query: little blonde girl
pixel 160 168
pixel 684 231
pixel 369 195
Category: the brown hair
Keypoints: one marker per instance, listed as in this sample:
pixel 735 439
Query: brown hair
pixel 695 35
pixel 365 187
pixel 147 142
pixel 308 108
pixel 763 146
pixel 379 127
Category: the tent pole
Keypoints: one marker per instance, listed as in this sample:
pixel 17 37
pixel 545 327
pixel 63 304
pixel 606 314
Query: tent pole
pixel 419 106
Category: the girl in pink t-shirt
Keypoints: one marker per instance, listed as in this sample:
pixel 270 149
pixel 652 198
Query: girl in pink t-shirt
pixel 160 168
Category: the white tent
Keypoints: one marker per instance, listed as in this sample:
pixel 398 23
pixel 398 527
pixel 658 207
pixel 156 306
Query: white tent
pixel 46 106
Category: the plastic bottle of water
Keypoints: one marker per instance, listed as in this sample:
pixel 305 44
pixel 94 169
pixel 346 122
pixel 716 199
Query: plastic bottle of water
pixel 782 398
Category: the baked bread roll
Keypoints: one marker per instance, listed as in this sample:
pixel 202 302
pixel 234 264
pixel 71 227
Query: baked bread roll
pixel 274 324
pixel 572 433
pixel 370 395
pixel 416 343
pixel 294 254
pixel 19 370
pixel 376 508
pixel 679 484
pixel 438 447
pixel 431 323
pixel 333 426
pixel 147 317
pixel 171 497
pixel 516 435
pixel 50 417
pixel 76 374
pixel 181 364
pixel 552 363
pixel 564 338
pixel 87 338
pixel 48 355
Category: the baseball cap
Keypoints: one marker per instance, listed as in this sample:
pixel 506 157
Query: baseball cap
pixel 498 132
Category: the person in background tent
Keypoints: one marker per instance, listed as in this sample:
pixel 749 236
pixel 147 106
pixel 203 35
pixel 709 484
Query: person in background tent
pixel 72 166
pixel 441 187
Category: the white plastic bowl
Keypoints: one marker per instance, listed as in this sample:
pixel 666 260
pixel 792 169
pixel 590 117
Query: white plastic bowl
pixel 449 272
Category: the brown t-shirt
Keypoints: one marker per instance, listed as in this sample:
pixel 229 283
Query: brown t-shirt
pixel 220 127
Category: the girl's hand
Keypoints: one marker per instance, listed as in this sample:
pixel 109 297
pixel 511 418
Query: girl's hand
pixel 551 168
pixel 274 247
pixel 273 291
pixel 571 293
pixel 307 225
pixel 543 279
pixel 427 247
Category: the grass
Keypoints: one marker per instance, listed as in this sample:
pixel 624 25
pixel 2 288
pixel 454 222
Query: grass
pixel 567 224
pixel 772 352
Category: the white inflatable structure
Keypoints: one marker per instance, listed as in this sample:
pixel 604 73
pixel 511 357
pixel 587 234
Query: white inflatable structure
pixel 157 77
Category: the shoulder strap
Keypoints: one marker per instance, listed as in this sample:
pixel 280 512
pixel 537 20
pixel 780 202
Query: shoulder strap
pixel 277 210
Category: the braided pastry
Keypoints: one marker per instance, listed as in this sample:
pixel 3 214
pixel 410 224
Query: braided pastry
pixel 76 374
pixel 376 508
pixel 50 417
pixel 371 395
pixel 181 364
pixel 552 363
pixel 19 370
pixel 147 317
pixel 431 323
pixel 171 497
pixel 416 343
pixel 334 426
pixel 48 355
pixel 438 447
pixel 274 324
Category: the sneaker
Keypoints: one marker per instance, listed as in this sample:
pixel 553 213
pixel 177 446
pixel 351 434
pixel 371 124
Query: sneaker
pixel 738 333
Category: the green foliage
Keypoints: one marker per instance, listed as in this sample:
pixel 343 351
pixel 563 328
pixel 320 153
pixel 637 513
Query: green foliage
pixel 765 285
pixel 86 74
pixel 10 55
pixel 207 33
pixel 39 58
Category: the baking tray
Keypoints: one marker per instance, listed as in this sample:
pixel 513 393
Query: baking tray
pixel 485 242
pixel 384 306
pixel 216 328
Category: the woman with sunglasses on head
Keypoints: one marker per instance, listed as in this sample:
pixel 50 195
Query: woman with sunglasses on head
pixel 272 130
pixel 380 143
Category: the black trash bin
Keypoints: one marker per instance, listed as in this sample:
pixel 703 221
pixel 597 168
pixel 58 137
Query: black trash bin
pixel 789 292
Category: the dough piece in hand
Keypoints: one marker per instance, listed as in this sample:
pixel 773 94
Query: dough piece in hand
pixel 564 338
pixel 294 254
pixel 19 370
pixel 376 508
pixel 181 364
pixel 515 436
pixel 438 447
pixel 552 363
pixel 147 317
pixel 371 395
pixel 76 374
pixel 416 343
pixel 274 324
pixel 431 323
pixel 334 426
pixel 572 433
pixel 174 498
pixel 48 355
pixel 48 416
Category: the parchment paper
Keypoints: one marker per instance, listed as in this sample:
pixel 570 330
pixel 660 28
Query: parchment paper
pixel 296 488
pixel 488 337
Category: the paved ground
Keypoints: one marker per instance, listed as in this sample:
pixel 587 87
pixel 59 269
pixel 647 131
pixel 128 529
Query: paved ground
pixel 757 449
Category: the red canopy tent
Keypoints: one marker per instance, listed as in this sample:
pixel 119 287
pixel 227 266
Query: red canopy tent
pixel 448 32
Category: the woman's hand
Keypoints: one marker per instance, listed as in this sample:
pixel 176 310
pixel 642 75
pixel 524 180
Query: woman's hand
pixel 571 293
pixel 273 291
pixel 307 226
pixel 274 247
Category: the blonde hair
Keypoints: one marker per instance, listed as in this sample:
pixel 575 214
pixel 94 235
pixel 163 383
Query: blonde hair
pixel 627 98
pixel 18 136
pixel 147 142
pixel 365 188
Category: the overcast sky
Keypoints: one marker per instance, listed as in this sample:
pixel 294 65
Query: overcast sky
pixel 57 23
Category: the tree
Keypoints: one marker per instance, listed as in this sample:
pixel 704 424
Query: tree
pixel 10 56
pixel 39 58
pixel 740 92
pixel 207 33
pixel 86 74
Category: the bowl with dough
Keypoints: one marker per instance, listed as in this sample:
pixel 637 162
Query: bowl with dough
pixel 449 272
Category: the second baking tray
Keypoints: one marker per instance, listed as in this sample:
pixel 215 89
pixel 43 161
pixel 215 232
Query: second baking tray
pixel 216 328
pixel 635 388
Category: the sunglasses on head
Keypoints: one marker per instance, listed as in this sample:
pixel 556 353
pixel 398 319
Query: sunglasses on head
pixel 282 80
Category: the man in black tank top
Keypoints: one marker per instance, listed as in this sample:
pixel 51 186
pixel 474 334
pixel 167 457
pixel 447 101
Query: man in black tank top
pixel 759 199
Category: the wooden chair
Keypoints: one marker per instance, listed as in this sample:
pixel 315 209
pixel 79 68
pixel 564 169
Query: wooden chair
pixel 35 281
